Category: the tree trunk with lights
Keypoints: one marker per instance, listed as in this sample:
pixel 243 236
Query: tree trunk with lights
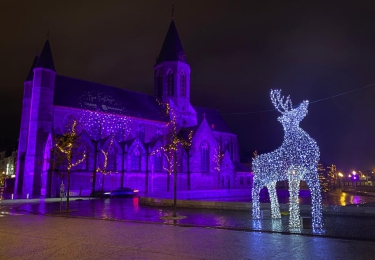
pixel 175 183
pixel 68 191
pixel 65 150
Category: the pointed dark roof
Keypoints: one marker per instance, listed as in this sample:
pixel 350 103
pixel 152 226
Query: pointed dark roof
pixel 240 167
pixel 30 76
pixel 215 121
pixel 172 48
pixel 45 60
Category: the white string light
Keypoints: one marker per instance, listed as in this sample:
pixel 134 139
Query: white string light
pixel 100 125
pixel 296 160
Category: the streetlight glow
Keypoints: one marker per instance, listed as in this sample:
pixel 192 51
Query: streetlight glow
pixel 340 174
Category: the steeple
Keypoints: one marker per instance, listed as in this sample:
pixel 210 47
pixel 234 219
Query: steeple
pixel 172 48
pixel 45 60
pixel 172 78
pixel 30 76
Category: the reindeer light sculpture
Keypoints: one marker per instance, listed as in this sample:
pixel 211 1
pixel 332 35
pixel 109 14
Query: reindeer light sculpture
pixel 296 160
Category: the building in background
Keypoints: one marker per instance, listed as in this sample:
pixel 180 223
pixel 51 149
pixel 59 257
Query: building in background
pixel 8 169
pixel 51 102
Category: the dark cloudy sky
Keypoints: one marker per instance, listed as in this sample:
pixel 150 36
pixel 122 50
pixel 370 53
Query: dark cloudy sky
pixel 237 50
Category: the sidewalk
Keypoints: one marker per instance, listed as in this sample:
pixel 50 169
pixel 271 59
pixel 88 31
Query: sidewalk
pixel 34 237
pixel 128 210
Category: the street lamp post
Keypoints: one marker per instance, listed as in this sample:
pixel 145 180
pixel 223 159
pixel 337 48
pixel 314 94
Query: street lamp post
pixel 355 178
pixel 340 179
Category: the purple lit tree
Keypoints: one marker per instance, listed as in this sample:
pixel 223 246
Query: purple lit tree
pixel 100 125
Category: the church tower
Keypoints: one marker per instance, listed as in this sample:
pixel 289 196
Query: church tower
pixel 40 120
pixel 24 130
pixel 172 78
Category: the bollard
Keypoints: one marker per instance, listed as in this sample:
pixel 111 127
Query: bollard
pixel 27 197
pixel 12 195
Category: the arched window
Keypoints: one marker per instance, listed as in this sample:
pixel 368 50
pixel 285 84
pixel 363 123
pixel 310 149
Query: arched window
pixel 170 83
pixel 158 133
pixel 159 84
pixel 141 133
pixel 226 146
pixel 136 160
pixel 111 161
pixel 183 84
pixel 205 157
pixel 180 160
pixel 158 162
pixel 68 123
pixel 47 155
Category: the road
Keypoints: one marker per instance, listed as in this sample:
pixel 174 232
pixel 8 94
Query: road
pixel 46 237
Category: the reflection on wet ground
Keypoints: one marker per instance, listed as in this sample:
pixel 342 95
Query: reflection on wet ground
pixel 123 209
pixel 334 198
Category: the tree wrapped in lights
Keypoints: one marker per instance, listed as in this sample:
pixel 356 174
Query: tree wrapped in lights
pixel 169 167
pixel 296 160
pixel 174 139
pixel 65 151
pixel 218 159
pixel 255 154
pixel 100 125
pixel 322 179
pixel 104 170
pixel 331 176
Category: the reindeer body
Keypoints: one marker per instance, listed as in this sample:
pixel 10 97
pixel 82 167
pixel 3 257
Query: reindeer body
pixel 295 160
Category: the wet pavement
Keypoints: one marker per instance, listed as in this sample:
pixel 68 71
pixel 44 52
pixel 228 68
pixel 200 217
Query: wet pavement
pixel 127 209
pixel 39 237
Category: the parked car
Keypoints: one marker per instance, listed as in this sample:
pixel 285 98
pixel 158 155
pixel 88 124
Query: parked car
pixel 122 192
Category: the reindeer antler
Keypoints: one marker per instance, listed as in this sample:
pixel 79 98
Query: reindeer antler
pixel 278 101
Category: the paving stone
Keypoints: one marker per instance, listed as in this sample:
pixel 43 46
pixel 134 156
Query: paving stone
pixel 350 226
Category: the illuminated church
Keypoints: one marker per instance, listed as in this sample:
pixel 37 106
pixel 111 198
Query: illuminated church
pixel 52 101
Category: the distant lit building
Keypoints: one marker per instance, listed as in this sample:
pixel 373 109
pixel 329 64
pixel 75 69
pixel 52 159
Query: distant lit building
pixel 7 165
pixel 51 101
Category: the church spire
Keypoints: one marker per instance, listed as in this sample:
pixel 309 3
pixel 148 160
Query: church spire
pixel 30 76
pixel 173 11
pixel 172 48
pixel 45 60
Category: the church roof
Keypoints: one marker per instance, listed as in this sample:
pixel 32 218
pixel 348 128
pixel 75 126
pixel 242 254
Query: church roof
pixel 172 48
pixel 80 94
pixel 30 76
pixel 240 167
pixel 213 118
pixel 76 93
pixel 45 60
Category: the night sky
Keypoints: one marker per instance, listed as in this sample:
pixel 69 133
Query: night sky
pixel 238 51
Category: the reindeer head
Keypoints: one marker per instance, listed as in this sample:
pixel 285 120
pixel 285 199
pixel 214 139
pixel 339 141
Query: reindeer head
pixel 290 116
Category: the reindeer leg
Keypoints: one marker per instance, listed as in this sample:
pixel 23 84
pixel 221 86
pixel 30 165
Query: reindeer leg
pixel 294 217
pixel 275 207
pixel 316 201
pixel 256 203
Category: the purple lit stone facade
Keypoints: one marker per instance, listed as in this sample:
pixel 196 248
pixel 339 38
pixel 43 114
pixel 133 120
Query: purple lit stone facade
pixel 52 100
